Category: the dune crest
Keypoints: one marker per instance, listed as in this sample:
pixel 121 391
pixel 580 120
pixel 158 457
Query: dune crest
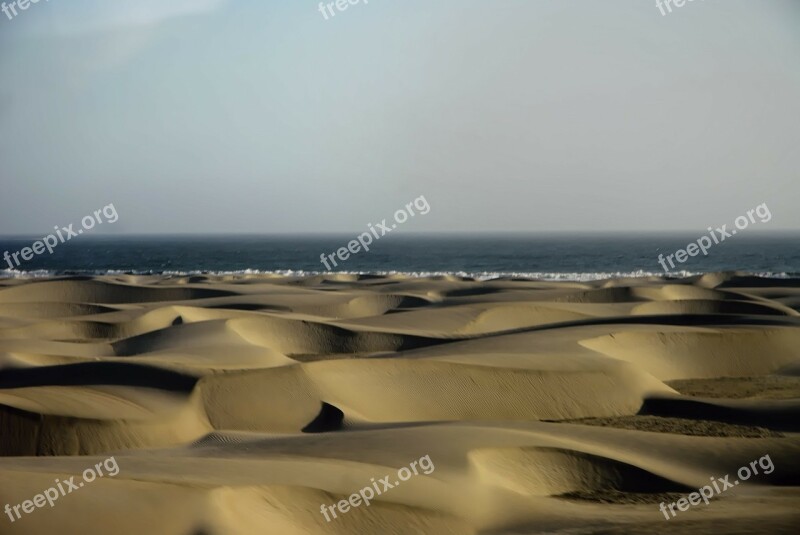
pixel 242 404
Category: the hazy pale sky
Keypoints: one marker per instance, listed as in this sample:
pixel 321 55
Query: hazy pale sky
pixel 519 115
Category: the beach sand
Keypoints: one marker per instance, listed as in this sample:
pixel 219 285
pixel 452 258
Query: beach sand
pixel 242 404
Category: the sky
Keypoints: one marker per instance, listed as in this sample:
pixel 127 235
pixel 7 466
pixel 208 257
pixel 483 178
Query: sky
pixel 215 116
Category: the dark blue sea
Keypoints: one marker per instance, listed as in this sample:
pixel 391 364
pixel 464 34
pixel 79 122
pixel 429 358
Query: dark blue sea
pixel 571 257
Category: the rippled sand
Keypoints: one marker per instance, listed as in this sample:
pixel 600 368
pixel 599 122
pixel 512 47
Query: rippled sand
pixel 240 405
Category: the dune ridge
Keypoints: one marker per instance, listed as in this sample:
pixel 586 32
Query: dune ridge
pixel 241 404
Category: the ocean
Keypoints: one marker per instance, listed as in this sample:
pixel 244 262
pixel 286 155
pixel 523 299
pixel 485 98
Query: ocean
pixel 556 257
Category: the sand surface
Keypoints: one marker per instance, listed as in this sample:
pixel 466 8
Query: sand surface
pixel 241 405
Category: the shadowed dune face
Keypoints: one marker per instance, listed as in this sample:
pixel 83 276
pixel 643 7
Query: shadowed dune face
pixel 552 472
pixel 242 404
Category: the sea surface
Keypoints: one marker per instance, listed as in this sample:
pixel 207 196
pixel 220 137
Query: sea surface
pixel 560 257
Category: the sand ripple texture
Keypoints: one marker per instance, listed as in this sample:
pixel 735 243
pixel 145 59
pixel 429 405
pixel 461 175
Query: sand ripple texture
pixel 240 404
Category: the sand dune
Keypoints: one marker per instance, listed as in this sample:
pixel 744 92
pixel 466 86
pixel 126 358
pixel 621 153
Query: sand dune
pixel 241 404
